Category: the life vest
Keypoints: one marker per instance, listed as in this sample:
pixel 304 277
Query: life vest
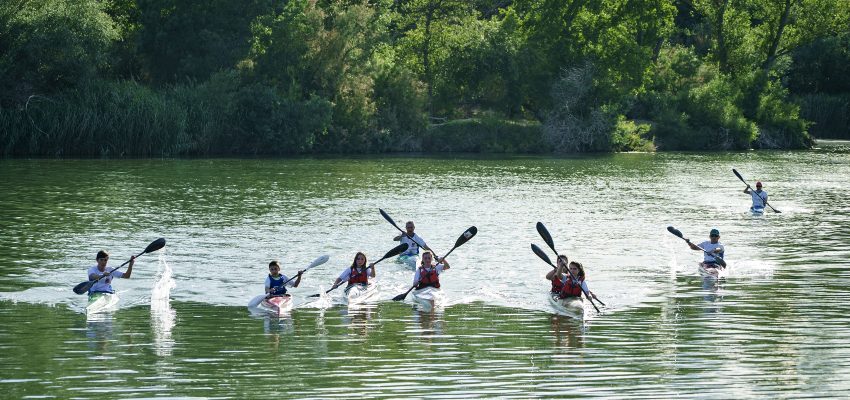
pixel 571 288
pixel 557 285
pixel 277 283
pixel 428 278
pixel 358 277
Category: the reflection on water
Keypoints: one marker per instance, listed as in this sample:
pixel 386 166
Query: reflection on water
pixel 163 317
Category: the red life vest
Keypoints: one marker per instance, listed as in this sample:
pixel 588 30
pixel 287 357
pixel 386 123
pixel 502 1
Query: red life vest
pixel 571 288
pixel 358 277
pixel 557 285
pixel 428 278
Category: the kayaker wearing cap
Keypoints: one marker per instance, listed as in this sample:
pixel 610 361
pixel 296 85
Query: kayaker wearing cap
pixel 358 273
pixel 428 274
pixel 711 247
pixel 412 244
pixel 275 280
pixel 104 278
pixel 759 196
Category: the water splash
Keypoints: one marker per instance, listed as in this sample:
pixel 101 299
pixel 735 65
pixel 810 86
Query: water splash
pixel 163 317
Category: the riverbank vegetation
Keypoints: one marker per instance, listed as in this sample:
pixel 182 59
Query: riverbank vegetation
pixel 260 77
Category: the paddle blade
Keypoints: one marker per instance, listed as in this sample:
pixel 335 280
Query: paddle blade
pixel 155 245
pixel 720 261
pixel 544 234
pixel 735 171
pixel 541 254
pixel 675 232
pixel 389 219
pixel 83 287
pixel 395 251
pixel 315 295
pixel 319 261
pixel 468 234
pixel 256 301
pixel 403 295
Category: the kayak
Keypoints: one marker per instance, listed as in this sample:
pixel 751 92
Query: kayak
pixel 572 307
pixel 277 305
pixel 757 210
pixel 428 298
pixel 359 293
pixel 713 272
pixel 101 302
pixel 410 261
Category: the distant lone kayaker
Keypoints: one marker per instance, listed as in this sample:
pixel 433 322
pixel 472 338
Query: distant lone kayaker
pixel 759 196
pixel 712 248
pixel 358 272
pixel 275 281
pixel 428 274
pixel 412 239
pixel 103 277
pixel 574 287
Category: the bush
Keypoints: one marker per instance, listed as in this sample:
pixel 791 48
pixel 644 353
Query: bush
pixel 485 135
pixel 631 136
pixel 830 115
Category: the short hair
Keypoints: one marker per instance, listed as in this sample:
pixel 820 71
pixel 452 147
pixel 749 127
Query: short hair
pixel 101 254
pixel 274 263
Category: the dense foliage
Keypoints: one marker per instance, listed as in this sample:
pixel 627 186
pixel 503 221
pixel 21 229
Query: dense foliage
pixel 269 77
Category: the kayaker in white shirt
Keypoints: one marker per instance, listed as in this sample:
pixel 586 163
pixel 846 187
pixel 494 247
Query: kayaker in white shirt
pixel 104 275
pixel 712 247
pixel 759 196
pixel 358 272
pixel 412 244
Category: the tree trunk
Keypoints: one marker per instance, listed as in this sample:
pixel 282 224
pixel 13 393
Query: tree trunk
pixel 777 38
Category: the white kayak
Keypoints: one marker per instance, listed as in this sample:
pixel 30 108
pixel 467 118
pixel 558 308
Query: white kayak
pixel 359 293
pixel 428 298
pixel 757 210
pixel 101 302
pixel 712 270
pixel 276 305
pixel 409 261
pixel 572 307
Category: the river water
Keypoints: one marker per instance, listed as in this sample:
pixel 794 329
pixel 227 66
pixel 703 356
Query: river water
pixel 778 326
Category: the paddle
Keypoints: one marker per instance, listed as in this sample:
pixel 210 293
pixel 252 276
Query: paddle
pixel 544 233
pixel 85 286
pixel 468 234
pixel 679 234
pixel 392 253
pixel 751 189
pixel 403 232
pixel 319 261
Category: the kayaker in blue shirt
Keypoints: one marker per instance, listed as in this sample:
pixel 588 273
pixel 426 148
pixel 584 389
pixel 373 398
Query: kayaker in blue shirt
pixel 104 276
pixel 712 247
pixel 759 196
pixel 275 280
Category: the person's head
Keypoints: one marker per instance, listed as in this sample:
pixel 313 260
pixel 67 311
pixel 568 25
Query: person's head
pixel 563 261
pixel 359 260
pixel 102 257
pixel 758 185
pixel 714 235
pixel 409 227
pixel 274 268
pixel 577 269
pixel 427 258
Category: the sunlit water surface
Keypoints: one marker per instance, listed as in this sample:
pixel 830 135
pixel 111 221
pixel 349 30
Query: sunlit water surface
pixel 777 327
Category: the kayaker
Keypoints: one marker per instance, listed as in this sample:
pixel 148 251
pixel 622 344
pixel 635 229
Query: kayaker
pixel 412 244
pixel 574 288
pixel 275 280
pixel 712 247
pixel 556 274
pixel 759 196
pixel 428 274
pixel 358 272
pixel 103 277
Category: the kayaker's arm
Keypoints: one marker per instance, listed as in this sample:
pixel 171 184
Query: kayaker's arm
pixel 372 266
pixel 337 282
pixel 298 278
pixel 445 263
pixel 550 275
pixel 129 267
pixel 397 238
pixel 693 246
pixel 747 190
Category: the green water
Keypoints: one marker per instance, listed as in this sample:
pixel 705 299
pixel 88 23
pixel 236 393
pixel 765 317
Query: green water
pixel 776 327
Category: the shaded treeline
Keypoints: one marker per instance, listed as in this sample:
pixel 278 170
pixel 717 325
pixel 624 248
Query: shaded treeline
pixel 266 77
